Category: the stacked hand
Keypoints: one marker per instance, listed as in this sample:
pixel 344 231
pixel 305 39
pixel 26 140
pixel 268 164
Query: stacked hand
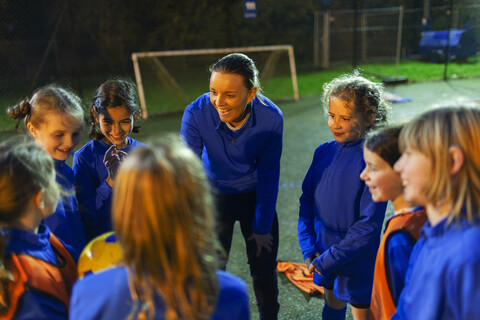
pixel 112 160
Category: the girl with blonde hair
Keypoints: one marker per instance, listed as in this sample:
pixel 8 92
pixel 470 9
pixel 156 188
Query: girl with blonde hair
pixel 54 118
pixel 163 216
pixel 440 169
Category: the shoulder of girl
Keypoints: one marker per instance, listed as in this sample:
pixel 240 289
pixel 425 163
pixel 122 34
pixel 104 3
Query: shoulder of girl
pixel 227 279
pixel 327 145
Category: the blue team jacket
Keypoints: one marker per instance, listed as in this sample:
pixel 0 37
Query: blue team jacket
pixel 339 220
pixel 66 222
pixel 239 161
pixel 106 295
pixel 443 277
pixel 94 195
pixel 36 305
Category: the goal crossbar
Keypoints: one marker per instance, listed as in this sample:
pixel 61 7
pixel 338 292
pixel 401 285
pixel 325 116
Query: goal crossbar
pixel 153 54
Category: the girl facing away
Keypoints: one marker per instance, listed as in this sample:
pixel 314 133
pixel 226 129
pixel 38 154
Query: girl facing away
pixel 440 169
pixel 380 152
pixel 54 118
pixel 339 224
pixel 166 227
pixel 36 270
pixel 113 112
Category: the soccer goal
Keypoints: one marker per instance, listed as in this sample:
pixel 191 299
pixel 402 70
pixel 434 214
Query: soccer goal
pixel 170 80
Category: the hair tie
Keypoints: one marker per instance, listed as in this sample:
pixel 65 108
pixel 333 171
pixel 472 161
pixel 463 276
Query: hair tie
pixel 25 108
pixel 97 104
pixel 20 111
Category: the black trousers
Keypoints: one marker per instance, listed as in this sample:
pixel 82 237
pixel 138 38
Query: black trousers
pixel 241 207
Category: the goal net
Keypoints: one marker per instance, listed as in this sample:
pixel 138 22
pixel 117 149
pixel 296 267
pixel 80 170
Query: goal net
pixel 169 80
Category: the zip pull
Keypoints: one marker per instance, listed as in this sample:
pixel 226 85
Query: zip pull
pixel 233 140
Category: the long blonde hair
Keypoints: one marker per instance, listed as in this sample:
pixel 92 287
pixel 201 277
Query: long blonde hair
pixel 433 133
pixel 163 216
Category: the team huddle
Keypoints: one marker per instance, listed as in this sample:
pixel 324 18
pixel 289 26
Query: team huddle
pixel 173 203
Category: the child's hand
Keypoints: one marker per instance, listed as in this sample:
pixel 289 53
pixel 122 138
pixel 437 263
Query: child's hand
pixel 112 160
pixel 309 260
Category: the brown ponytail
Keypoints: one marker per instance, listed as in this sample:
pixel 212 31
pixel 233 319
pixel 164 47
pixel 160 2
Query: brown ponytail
pixel 20 111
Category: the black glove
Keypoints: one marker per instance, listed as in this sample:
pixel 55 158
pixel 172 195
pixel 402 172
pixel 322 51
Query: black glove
pixel 112 160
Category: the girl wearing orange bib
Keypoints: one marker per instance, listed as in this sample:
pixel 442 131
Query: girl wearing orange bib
pixel 380 153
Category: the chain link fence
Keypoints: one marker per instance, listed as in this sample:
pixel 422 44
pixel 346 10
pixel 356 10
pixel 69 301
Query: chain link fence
pixel 390 34
pixel 82 43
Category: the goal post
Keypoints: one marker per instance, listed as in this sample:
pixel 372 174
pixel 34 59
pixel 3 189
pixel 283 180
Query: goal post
pixel 175 89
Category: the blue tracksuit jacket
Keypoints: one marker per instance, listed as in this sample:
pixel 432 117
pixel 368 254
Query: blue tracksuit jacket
pixel 339 220
pixel 94 195
pixel 106 295
pixel 66 222
pixel 443 278
pixel 239 161
pixel 35 305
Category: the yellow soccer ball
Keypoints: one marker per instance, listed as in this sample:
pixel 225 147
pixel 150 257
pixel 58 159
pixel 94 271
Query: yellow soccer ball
pixel 102 252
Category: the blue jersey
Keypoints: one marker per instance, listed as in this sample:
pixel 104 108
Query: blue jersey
pixel 66 222
pixel 94 195
pixel 339 220
pixel 34 304
pixel 443 278
pixel 106 295
pixel 239 161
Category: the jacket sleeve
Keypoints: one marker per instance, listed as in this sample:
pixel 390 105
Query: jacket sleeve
pixel 462 284
pixel 305 227
pixel 94 202
pixel 190 133
pixel 359 238
pixel 400 247
pixel 268 175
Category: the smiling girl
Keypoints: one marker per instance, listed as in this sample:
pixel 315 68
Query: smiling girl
pixel 440 169
pixel 237 132
pixel 339 224
pixel 380 152
pixel 113 112
pixel 54 118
